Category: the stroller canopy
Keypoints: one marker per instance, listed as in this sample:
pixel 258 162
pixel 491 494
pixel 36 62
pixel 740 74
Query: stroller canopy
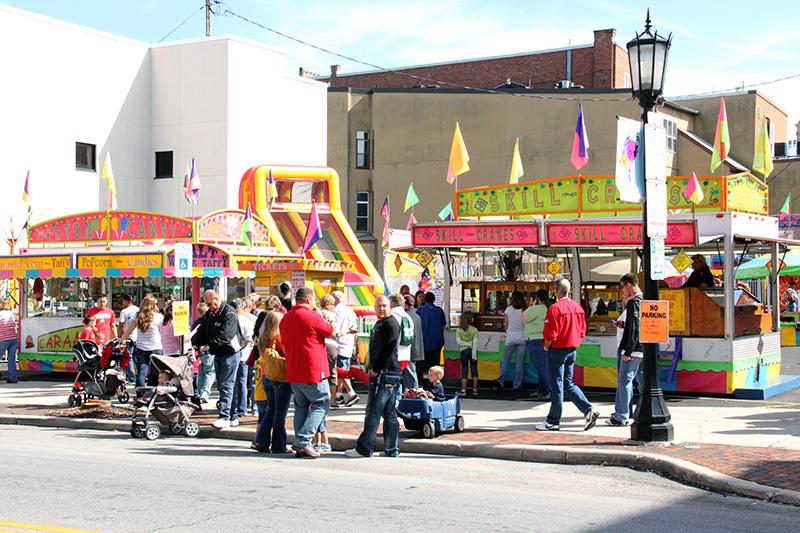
pixel 178 366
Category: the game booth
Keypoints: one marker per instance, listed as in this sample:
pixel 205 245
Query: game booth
pixel 71 260
pixel 722 340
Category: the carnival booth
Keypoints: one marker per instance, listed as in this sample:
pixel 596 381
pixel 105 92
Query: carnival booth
pixel 723 340
pixel 70 261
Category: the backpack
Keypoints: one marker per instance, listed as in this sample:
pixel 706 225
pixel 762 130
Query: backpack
pixel 274 364
pixel 406 332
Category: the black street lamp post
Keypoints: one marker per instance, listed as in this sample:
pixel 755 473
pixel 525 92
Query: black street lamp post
pixel 647 54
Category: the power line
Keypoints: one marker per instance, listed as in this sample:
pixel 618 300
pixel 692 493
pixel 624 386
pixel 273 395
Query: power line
pixel 176 28
pixel 228 11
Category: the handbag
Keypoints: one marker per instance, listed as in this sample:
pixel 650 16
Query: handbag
pixel 274 364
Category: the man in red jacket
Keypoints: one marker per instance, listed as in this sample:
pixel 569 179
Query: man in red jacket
pixel 303 333
pixel 564 327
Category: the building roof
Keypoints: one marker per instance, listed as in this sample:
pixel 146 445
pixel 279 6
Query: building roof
pixel 708 146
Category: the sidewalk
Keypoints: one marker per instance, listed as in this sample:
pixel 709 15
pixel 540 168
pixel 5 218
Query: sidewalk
pixel 755 441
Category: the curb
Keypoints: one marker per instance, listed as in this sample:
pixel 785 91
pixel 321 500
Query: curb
pixel 679 469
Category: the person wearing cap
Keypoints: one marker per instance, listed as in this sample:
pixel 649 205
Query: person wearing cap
pixel 701 275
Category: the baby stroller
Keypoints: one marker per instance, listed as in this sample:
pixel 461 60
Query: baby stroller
pixel 168 403
pixel 100 375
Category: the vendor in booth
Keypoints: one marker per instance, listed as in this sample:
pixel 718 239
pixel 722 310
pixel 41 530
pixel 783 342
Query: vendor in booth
pixel 701 275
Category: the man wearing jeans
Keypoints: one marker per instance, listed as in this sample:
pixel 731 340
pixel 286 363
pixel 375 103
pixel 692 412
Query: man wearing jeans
pixel 564 327
pixel 384 385
pixel 303 333
pixel 219 330
pixel 629 353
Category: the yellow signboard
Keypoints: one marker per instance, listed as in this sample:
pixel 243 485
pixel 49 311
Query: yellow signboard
pixel 180 316
pixel 424 258
pixel 681 261
pixel 30 262
pixel 677 306
pixel 121 261
pixel 554 268
pixel 654 321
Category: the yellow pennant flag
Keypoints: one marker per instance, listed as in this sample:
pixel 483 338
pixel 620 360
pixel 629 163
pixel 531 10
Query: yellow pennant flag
pixel 762 162
pixel 516 165
pixel 108 175
pixel 459 158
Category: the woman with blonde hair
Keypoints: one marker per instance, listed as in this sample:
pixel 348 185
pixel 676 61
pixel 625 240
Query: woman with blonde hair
pixel 147 323
pixel 271 435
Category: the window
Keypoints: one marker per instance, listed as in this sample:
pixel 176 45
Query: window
pixel 85 157
pixel 363 210
pixel 363 150
pixel 163 165
pixel 672 135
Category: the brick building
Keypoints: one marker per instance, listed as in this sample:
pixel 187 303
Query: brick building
pixel 600 65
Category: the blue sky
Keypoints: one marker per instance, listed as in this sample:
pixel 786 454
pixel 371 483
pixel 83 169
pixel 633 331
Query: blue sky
pixel 716 45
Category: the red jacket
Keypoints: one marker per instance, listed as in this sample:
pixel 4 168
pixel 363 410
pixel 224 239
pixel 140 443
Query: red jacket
pixel 303 333
pixel 565 324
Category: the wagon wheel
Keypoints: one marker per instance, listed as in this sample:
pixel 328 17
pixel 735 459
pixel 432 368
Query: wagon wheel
pixel 459 427
pixel 429 429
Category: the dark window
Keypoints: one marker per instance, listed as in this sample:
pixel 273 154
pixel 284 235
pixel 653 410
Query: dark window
pixel 363 210
pixel 85 157
pixel 363 150
pixel 163 165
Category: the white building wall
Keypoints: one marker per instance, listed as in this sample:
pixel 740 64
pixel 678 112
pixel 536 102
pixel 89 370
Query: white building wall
pixel 61 84
pixel 190 118
pixel 226 101
pixel 273 117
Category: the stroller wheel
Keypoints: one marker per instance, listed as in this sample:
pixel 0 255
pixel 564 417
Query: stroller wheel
pixel 71 400
pixel 124 397
pixel 192 429
pixel 217 405
pixel 429 429
pixel 138 432
pixel 152 432
pixel 176 429
pixel 78 400
pixel 459 424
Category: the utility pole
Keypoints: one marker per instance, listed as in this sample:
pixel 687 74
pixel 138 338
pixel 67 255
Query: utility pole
pixel 208 18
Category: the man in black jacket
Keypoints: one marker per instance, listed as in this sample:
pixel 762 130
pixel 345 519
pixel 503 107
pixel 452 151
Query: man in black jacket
pixel 219 330
pixel 629 353
pixel 384 385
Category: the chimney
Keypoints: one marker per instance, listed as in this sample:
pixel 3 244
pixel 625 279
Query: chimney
pixel 603 59
pixel 335 70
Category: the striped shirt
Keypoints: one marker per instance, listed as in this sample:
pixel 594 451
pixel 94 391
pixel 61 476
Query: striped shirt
pixel 8 325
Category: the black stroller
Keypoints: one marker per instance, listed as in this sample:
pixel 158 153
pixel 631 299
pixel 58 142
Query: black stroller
pixel 168 402
pixel 100 375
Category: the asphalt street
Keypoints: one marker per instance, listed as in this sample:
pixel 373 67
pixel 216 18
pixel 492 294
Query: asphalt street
pixel 107 481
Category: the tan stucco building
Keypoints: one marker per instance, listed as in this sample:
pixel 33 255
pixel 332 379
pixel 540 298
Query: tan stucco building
pixel 380 140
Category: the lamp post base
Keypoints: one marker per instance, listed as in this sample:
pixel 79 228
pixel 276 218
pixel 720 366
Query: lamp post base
pixel 651 421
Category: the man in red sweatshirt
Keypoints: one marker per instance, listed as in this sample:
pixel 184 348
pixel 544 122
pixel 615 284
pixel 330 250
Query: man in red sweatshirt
pixel 303 333
pixel 564 327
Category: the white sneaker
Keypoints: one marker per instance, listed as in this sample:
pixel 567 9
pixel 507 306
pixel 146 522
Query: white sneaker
pixel 221 423
pixel 591 420
pixel 546 426
pixel 353 453
pixel 234 422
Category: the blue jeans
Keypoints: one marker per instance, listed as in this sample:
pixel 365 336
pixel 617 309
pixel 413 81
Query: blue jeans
pixel 312 401
pixel 142 360
pixel 272 427
pixel 560 362
pixel 468 364
pixel 626 372
pixel 10 346
pixel 240 391
pixel 538 357
pixel 260 409
pixel 508 353
pixel 205 375
pixel 225 368
pixel 383 391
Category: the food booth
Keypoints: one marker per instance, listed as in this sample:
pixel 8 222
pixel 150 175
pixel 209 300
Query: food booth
pixel 72 260
pixel 723 340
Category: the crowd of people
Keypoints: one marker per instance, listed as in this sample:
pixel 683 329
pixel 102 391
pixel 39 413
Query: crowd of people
pixel 264 354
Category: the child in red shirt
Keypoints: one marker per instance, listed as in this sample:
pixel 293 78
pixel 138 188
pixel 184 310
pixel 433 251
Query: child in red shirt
pixel 90 331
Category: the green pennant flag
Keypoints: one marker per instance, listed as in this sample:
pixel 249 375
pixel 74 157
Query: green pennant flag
pixel 787 206
pixel 411 197
pixel 447 212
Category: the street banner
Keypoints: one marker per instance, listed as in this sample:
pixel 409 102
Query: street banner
pixel 628 174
